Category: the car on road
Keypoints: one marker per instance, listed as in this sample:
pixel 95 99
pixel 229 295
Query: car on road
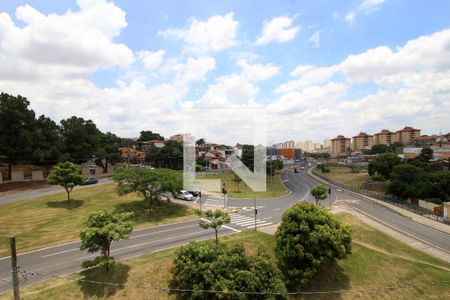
pixel 194 192
pixel 302 168
pixel 90 180
pixel 185 195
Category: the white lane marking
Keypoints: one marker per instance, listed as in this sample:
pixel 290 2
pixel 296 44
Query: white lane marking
pixel 266 218
pixel 276 209
pixel 284 180
pixel 224 226
pixel 132 237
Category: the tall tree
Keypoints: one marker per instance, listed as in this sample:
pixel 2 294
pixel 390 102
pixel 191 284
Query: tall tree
pixel 380 148
pixel 308 238
pixel 409 181
pixel 150 184
pixel 109 149
pixel 47 140
pixel 148 135
pixel 81 139
pixel 248 156
pixel 17 127
pixel 215 220
pixel 100 230
pixel 200 142
pixel 67 175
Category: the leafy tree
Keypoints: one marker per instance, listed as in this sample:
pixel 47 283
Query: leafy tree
pixel 408 181
pixel 383 164
pixel 308 238
pixel 200 142
pixel 273 166
pixel 440 185
pixel 109 149
pixel 397 147
pixel 426 155
pixel 148 135
pixel 17 127
pixel 236 179
pixel 248 156
pixel 67 175
pixel 320 193
pixel 206 266
pixel 216 219
pixel 151 184
pixel 100 230
pixel 380 148
pixel 46 141
pixel 170 156
pixel 81 139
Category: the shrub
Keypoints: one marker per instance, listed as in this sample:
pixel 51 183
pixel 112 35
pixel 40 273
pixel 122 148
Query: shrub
pixel 308 238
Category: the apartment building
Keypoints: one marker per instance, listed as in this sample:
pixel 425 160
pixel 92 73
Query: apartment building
pixel 384 137
pixel 406 135
pixel 327 145
pixel 340 146
pixel 362 141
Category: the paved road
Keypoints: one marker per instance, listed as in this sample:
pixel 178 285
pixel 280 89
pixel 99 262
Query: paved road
pixel 65 259
pixel 43 192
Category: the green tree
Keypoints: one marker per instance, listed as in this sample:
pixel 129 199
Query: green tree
pixel 100 230
pixel 200 142
pixel 109 149
pixel 440 185
pixel 17 127
pixel 46 141
pixel 67 175
pixel 272 166
pixel 308 238
pixel 208 267
pixel 383 164
pixel 216 219
pixel 425 155
pixel 248 156
pixel 148 135
pixel 236 179
pixel 320 193
pixel 170 156
pixel 151 184
pixel 409 181
pixel 81 139
pixel 380 148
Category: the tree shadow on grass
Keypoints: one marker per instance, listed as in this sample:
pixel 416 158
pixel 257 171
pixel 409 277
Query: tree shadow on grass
pixel 96 282
pixel 330 278
pixel 156 213
pixel 72 204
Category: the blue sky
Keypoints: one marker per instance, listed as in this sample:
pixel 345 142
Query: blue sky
pixel 134 65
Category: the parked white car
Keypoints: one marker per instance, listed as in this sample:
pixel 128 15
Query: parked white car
pixel 185 195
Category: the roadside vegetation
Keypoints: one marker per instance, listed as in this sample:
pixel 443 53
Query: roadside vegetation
pixel 364 272
pixel 50 220
pixel 238 189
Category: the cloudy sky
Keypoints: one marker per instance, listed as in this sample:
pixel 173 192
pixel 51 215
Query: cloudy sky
pixel 313 69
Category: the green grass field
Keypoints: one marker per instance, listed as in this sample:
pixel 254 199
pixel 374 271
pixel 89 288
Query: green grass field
pixel 379 268
pixel 345 176
pixel 274 186
pixel 50 220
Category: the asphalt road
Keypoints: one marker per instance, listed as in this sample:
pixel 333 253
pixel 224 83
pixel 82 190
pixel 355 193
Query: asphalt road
pixel 67 258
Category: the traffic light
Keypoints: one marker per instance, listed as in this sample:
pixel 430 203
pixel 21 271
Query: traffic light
pixel 329 191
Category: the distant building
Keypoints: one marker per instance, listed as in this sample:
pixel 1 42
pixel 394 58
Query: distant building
pixel 411 152
pixel 327 146
pixel 308 146
pixel 362 141
pixel 384 137
pixel 406 135
pixel 177 138
pixel 340 146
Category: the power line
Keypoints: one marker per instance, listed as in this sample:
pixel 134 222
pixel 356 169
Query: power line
pixel 6 280
pixel 155 289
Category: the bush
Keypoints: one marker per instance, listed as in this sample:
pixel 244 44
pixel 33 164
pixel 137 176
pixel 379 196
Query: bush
pixel 378 177
pixel 205 266
pixel 308 238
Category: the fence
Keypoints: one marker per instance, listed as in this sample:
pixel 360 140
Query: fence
pixel 391 200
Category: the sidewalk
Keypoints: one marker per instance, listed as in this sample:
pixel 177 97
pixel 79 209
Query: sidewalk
pixel 406 213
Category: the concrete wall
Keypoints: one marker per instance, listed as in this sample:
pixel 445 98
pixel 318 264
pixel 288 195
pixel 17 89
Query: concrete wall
pixel 17 176
pixel 428 205
pixel 37 176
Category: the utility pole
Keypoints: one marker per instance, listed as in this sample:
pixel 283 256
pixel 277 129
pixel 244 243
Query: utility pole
pixel 256 212
pixel 200 200
pixel 14 269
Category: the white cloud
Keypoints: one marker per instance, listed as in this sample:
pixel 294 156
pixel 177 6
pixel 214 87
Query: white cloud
pixel 308 76
pixel 152 59
pixel 256 72
pixel 366 7
pixel 278 29
pixel 217 33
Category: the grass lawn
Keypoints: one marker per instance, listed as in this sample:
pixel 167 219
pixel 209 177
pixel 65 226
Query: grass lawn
pixel 377 263
pixel 345 176
pixel 274 187
pixel 49 220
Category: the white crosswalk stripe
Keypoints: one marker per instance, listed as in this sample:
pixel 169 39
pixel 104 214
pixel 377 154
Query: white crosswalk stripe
pixel 213 201
pixel 246 221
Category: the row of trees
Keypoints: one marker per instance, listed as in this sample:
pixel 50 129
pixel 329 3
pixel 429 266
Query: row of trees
pixel 414 178
pixel 308 239
pixel 26 137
